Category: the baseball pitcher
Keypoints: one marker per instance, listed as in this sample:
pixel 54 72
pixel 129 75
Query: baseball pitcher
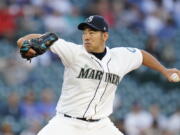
pixel 92 74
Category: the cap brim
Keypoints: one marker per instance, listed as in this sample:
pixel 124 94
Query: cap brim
pixel 82 26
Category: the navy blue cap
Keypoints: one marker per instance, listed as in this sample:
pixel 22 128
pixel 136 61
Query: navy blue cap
pixel 95 22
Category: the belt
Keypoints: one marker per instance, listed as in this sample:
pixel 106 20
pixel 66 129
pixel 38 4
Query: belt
pixel 84 119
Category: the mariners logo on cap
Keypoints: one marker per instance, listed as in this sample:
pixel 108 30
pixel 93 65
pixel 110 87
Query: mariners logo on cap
pixel 90 19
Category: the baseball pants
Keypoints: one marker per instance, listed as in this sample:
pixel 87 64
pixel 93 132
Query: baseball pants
pixel 60 125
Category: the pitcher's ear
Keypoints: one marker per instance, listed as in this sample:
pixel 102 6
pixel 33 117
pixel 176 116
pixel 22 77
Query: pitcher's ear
pixel 105 35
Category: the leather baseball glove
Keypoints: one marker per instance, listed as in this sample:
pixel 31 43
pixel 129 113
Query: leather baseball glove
pixel 39 45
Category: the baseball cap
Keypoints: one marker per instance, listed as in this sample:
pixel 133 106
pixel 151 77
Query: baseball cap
pixel 95 22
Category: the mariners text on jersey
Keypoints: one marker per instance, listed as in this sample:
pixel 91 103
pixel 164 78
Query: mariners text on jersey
pixel 89 73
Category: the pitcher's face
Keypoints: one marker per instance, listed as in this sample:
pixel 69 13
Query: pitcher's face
pixel 94 41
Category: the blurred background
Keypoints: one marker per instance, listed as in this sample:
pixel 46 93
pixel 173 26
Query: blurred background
pixel 145 103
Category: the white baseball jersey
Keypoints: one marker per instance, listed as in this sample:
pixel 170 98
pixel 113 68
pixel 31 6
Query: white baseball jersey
pixel 89 83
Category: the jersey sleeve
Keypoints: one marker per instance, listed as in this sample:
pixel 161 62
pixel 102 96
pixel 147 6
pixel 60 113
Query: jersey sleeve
pixel 132 58
pixel 65 50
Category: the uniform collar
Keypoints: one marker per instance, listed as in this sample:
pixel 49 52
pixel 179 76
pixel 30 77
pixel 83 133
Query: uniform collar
pixel 105 59
pixel 100 55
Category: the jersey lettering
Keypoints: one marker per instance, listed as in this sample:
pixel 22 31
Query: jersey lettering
pixel 99 75
pixel 112 78
pixel 89 73
pixel 83 73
